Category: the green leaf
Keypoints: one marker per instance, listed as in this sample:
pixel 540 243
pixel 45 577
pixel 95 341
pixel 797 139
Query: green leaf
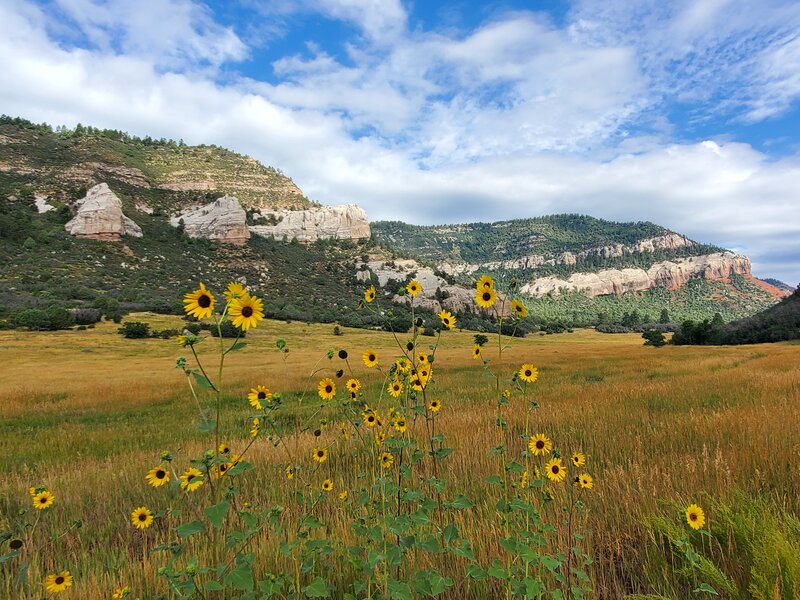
pixel 494 480
pixel 497 570
pixel 399 590
pixel 533 587
pixel 189 529
pixel 705 589
pixel 240 467
pixel 551 563
pixel 439 584
pixel 460 502
pixel 217 513
pixel 237 346
pixel 202 380
pixel 317 589
pixel 476 572
pixel 8 556
pixel 213 586
pixel 280 343
pixel 241 577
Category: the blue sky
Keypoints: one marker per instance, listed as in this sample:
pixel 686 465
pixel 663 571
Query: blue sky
pixel 685 113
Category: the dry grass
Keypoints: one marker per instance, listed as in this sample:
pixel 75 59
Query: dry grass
pixel 87 413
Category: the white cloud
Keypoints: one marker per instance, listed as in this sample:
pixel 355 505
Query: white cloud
pixel 497 115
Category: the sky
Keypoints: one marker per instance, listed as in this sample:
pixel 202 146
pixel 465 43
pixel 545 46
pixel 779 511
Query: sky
pixel 684 113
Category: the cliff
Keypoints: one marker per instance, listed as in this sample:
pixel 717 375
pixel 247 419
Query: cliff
pixel 99 216
pixel 343 222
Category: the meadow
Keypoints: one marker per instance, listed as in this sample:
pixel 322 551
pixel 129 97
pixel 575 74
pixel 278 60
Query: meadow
pixel 88 413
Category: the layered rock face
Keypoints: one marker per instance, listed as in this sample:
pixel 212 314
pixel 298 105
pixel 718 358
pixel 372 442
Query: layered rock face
pixel 343 222
pixel 669 274
pixel 671 241
pixel 99 216
pixel 223 220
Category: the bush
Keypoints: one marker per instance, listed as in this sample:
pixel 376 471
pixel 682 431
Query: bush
pixel 193 328
pixel 653 337
pixel 135 330
pixel 86 316
pixel 48 319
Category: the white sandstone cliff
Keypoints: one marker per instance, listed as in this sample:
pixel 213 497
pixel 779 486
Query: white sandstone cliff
pixel 223 220
pixel 342 222
pixel 99 216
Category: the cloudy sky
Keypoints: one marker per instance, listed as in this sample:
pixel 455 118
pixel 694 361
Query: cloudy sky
pixel 685 113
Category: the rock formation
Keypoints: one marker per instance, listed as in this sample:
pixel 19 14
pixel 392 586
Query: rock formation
pixel 223 220
pixel 343 222
pixel 99 216
pixel 669 274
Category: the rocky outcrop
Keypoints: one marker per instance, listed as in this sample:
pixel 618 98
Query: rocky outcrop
pixel 42 205
pixel 91 172
pixel 223 220
pixel 672 241
pixel 343 222
pixel 669 274
pixel 99 216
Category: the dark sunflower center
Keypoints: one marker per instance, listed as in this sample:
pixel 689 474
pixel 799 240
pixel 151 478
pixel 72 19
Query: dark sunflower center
pixel 486 296
pixel 204 301
pixel 370 419
pixel 142 517
pixel 43 500
pixel 262 395
pixel 328 389
pixel 371 358
pixel 191 478
pixel 555 469
pixel 539 444
pixel 160 474
pixel 528 373
pixel 320 454
pixel 247 311
pixel 693 517
pixel 59 580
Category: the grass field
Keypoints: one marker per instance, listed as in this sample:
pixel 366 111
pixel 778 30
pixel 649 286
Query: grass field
pixel 87 413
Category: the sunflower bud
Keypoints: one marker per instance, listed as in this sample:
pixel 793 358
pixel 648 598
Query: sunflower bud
pixel 343 354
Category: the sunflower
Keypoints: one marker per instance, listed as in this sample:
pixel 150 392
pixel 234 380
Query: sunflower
pixel 387 460
pixel 224 448
pixel 255 427
pixel 395 388
pixel 289 470
pixel 326 389
pixel 485 298
pixel 235 290
pixel 476 351
pixel 528 373
pixel 413 288
pixel 343 496
pixel 58 582
pixel 258 395
pixel 448 320
pixel 369 294
pixel 120 593
pixel 422 358
pixel 402 365
pixel 191 479
pixel 418 383
pixel 142 518
pixel 327 485
pixel 246 312
pixel 157 476
pixel 223 468
pixel 370 419
pixel 434 406
pixel 518 308
pixel 554 470
pixel 43 500
pixel 695 516
pixel 320 455
pixel 401 425
pixel 578 459
pixel 523 481
pixel 199 303
pixel 370 358
pixel 380 437
pixel 540 444
pixel 585 481
pixel 353 385
pixel 484 283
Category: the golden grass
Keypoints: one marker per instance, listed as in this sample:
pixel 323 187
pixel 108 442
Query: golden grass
pixel 88 413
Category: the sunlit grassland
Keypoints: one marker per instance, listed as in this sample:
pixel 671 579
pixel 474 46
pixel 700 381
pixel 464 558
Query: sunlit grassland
pixel 87 413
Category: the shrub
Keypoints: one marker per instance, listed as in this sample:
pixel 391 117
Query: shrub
pixel 48 319
pixel 227 329
pixel 135 330
pixel 86 316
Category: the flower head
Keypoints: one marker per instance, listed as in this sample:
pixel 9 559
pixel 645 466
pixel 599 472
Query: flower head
pixel 434 406
pixel 199 303
pixel 142 518
pixel 343 496
pixel 255 427
pixel 353 385
pixel 554 470
pixel 528 373
pixel 476 351
pixel 120 593
pixel 585 481
pixel 447 319
pixel 485 298
pixel 157 476
pixel 401 424
pixel 246 312
pixel 320 455
pixel 695 517
pixel 413 288
pixel 402 365
pixel 518 308
pixel 540 444
pixel 191 479
pixel 326 389
pixel 370 358
pixel 43 500
pixel 289 470
pixel 369 294
pixel 259 396
pixel 578 459
pixel 58 582
pixel 484 283
pixel 370 418
pixel 386 459
pixel 395 388
pixel 235 290
pixel 327 485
